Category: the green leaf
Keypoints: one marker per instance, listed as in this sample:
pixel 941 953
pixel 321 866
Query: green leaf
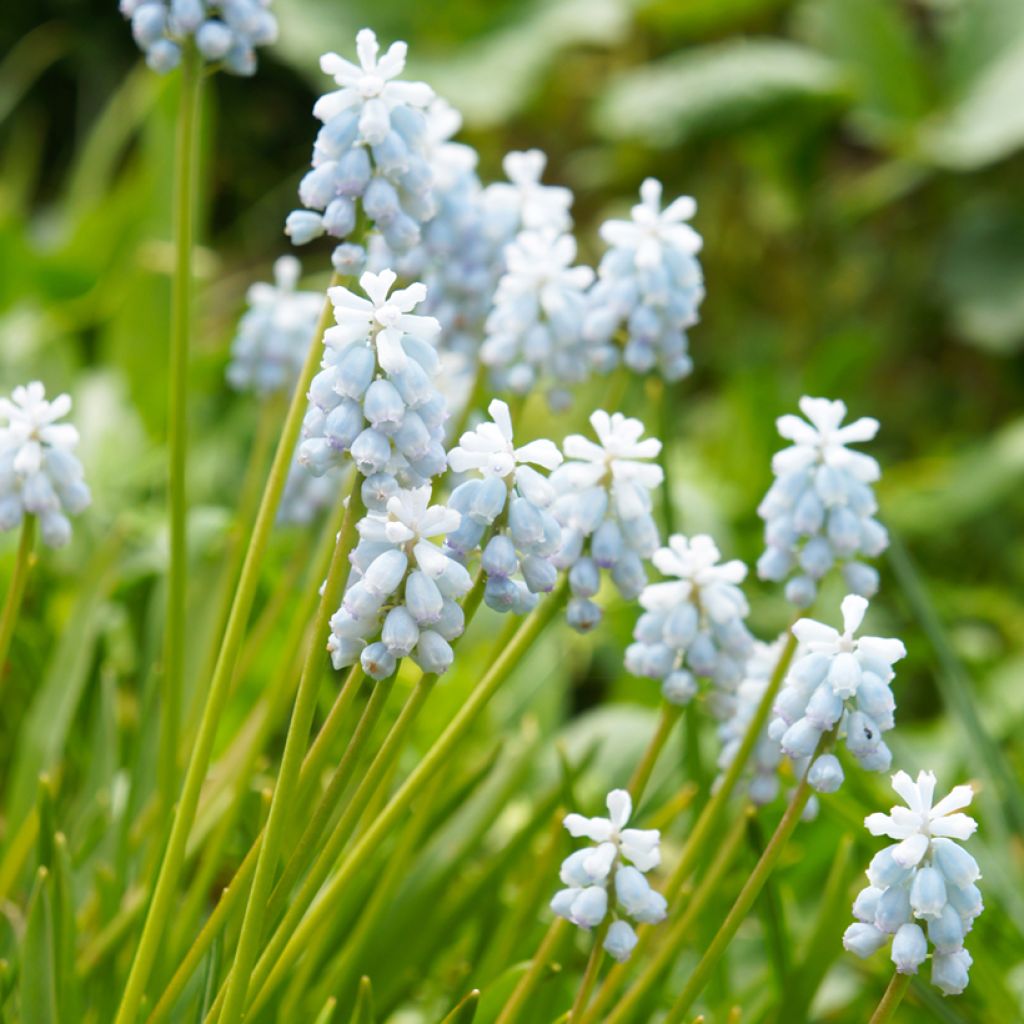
pixel 715 88
pixel 465 1011
pixel 326 1015
pixel 38 966
pixel 64 929
pixel 362 1012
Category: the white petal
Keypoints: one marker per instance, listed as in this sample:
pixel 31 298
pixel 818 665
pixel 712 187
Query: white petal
pixel 541 453
pixel 499 412
pixel 909 853
pixel 954 826
pixel 390 353
pixel 598 829
pixel 853 608
pixel 620 807
pixel 959 796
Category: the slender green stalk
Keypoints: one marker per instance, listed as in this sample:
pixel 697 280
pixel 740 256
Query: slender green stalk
pixel 750 891
pixel 170 868
pixel 282 806
pixel 591 971
pixel 886 1009
pixel 185 196
pixel 641 776
pixel 512 1009
pixel 23 562
pixel 270 971
pixel 679 930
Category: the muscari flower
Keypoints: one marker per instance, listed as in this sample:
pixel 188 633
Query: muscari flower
pixel 693 625
pixel 523 203
pixel 922 888
pixel 372 152
pixel 599 878
pixel 39 473
pixel 374 401
pixel 604 507
pixel 650 285
pixel 511 500
pixel 820 509
pixel 225 32
pixel 533 334
pixel 402 598
pixel 840 684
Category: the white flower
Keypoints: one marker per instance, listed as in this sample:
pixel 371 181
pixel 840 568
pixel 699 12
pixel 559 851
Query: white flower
pixel 640 846
pixel 32 426
pixel 695 562
pixel 823 440
pixel 409 521
pixel 539 262
pixel 619 455
pixel 524 197
pixel 386 320
pixel 921 821
pixel 370 84
pixel 652 228
pixel 489 448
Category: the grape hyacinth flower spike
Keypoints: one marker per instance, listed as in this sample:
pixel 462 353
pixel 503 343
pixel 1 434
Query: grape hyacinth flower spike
pixel 513 498
pixel 372 152
pixel 524 203
pixel 402 598
pixel 693 625
pixel 374 401
pixel 225 32
pixel 841 685
pixel 820 509
pixel 599 879
pixel 40 475
pixel 649 286
pixel 922 890
pixel 604 506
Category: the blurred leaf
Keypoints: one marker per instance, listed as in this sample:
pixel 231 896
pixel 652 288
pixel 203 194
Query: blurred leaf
pixel 713 88
pixel 362 1012
pixel 465 1012
pixel 38 967
pixel 704 16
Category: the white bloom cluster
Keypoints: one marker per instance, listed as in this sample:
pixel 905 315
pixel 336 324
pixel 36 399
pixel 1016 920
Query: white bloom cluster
pixel 225 32
pixel 924 877
pixel 402 598
pixel 842 685
pixel 693 625
pixel 820 509
pixel 604 507
pixel 588 872
pixel 650 285
pixel 372 151
pixel 510 500
pixel 375 401
pixel 533 332
pixel 39 473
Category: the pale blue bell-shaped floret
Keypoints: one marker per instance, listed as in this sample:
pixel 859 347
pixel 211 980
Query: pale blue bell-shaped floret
pixel 826 774
pixel 922 888
pixel 608 482
pixel 39 473
pixel 649 287
pixel 820 510
pixel 620 941
pixel 701 612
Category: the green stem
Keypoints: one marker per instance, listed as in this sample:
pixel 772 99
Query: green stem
pixel 591 972
pixel 275 968
pixel 185 194
pixel 750 891
pixel 894 994
pixel 282 806
pixel 557 930
pixel 170 868
pixel 23 562
pixel 641 776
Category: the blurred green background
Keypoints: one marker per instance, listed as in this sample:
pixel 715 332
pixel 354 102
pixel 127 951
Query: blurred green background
pixel 859 172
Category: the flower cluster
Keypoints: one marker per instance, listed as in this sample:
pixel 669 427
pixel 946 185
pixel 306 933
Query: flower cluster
pixel 649 285
pixel 840 685
pixel 372 151
pixel 604 506
pixel 225 32
pixel 509 500
pixel 534 330
pixel 374 400
pixel 588 872
pixel 924 877
pixel 820 509
pixel 402 597
pixel 39 473
pixel 274 333
pixel 693 625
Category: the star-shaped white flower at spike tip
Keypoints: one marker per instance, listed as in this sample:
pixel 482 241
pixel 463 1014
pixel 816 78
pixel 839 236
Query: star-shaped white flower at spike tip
pixel 640 846
pixel 653 228
pixel 541 261
pixel 370 82
pixel 694 560
pixel 538 205
pixel 31 424
pixel 385 319
pixel 921 820
pixel 821 440
pixel 819 638
pixel 489 447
